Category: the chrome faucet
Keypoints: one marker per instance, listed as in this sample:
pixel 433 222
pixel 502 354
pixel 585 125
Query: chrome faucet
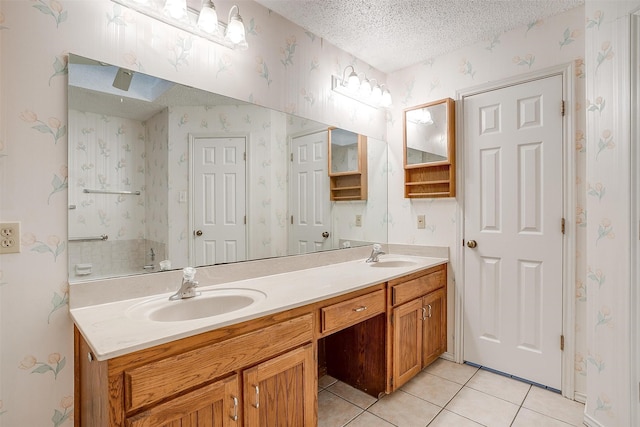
pixel 375 253
pixel 188 287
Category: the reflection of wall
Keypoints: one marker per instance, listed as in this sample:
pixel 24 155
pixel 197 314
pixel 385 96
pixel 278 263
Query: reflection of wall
pixel 266 168
pixel 156 179
pixel 108 155
pixel 373 211
pixel 344 158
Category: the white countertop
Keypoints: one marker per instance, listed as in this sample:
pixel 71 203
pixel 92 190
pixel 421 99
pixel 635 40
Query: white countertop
pixel 111 330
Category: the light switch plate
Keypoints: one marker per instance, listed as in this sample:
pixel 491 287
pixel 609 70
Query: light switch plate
pixel 9 237
pixel 358 220
pixel 421 221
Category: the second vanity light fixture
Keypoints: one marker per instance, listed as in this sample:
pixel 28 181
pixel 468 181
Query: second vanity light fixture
pixel 203 23
pixel 369 92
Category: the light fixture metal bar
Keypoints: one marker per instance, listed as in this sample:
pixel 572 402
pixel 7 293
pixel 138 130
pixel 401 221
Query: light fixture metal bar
pixel 338 86
pixel 188 24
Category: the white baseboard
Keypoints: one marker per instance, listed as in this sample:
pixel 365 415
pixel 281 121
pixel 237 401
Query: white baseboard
pixel 580 397
pixel 590 422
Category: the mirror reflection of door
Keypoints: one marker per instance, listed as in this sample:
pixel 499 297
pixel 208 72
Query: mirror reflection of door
pixel 218 202
pixel 309 204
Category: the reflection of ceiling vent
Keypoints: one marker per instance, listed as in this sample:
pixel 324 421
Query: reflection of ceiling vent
pixel 123 79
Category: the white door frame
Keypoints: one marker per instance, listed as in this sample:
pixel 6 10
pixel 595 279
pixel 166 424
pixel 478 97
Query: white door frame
pixel 569 209
pixel 192 137
pixel 635 218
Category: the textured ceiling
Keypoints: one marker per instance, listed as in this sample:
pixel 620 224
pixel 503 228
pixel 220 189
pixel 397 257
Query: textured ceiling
pixel 394 34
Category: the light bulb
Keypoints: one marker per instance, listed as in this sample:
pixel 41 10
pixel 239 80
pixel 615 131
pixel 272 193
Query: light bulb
pixel 365 88
pixel 353 82
pixel 235 28
pixel 177 9
pixel 386 99
pixel 426 117
pixel 376 94
pixel 208 18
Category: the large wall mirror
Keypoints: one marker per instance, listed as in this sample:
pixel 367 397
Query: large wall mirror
pixel 162 176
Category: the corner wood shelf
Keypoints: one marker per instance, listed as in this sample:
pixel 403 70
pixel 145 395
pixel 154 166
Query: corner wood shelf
pixel 352 185
pixel 430 181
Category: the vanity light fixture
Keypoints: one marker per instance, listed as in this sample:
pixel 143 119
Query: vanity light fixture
pixel 369 92
pixel 203 23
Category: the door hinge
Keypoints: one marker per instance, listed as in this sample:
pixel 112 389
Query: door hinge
pixel 562 108
pixel 561 342
pixel 291 157
pixel 245 220
pixel 291 219
pixel 562 225
pixel 244 156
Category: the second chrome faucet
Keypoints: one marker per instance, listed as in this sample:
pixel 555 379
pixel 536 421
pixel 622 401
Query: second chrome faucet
pixel 188 286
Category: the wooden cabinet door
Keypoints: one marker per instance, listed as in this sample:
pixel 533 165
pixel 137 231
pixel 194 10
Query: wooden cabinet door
pixel 407 342
pixel 214 405
pixel 282 391
pixel 434 328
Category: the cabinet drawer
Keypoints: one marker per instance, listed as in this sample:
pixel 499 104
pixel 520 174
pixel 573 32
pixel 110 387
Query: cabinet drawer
pixel 418 287
pixel 163 378
pixel 350 312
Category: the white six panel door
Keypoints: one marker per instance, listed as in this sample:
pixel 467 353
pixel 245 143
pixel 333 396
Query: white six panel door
pixel 219 200
pixel 513 211
pixel 310 204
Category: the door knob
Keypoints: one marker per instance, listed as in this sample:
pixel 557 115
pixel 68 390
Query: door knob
pixel 197 233
pixel 472 244
pixel 325 234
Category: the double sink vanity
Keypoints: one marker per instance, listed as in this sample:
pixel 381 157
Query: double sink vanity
pixel 250 351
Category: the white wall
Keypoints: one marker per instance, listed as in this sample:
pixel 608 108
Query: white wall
pixel 609 237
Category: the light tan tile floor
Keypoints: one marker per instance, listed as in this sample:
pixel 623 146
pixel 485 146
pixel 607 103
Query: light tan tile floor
pixel 448 394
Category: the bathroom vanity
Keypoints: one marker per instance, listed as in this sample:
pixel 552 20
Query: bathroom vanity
pixel 373 326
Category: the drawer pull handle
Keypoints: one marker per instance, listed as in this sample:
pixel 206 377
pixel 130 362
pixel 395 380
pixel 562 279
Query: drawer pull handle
pixel 359 309
pixel 257 404
pixel 424 313
pixel 429 305
pixel 234 417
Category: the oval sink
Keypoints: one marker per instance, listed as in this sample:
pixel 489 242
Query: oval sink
pixel 392 263
pixel 207 304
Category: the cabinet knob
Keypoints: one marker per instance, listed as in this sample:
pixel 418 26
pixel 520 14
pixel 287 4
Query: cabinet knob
pixel 472 244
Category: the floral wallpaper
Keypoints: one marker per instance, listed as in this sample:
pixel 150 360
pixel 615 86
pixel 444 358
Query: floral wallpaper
pixel 288 69
pixel 540 44
pixel 607 285
pixel 285 68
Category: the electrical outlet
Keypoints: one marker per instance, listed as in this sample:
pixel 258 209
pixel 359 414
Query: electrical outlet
pixel 9 237
pixel 358 220
pixel 421 223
